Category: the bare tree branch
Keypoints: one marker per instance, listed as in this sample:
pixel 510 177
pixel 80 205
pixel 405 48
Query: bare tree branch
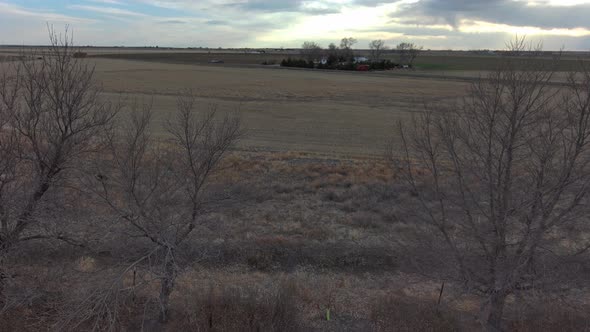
pixel 504 172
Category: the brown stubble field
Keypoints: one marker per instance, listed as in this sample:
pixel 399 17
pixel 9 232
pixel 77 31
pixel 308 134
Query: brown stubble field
pixel 327 113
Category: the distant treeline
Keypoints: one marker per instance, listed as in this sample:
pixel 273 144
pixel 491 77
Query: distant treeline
pixel 337 65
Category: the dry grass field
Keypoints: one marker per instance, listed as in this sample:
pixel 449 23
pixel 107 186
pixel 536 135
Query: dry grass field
pixel 329 113
pixel 301 234
pixel 313 232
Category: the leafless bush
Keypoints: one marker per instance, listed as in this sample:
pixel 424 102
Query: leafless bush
pixel 283 254
pixel 157 188
pixel 408 52
pixel 106 299
pixel 552 318
pixel 366 220
pixel 400 313
pixel 311 51
pixel 99 305
pixel 254 308
pixel 80 54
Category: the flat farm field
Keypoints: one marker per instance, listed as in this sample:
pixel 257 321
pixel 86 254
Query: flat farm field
pixel 329 113
pixel 346 114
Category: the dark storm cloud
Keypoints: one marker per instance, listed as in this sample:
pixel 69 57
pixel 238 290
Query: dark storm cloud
pixel 514 13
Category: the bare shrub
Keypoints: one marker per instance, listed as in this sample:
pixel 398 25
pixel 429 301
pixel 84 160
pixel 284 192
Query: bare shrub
pixel 552 319
pixel 334 195
pixel 80 55
pixel 254 308
pixel 157 188
pixel 401 313
pixel 311 51
pixel 271 255
pixel 99 304
pixel 366 220
pixel 408 52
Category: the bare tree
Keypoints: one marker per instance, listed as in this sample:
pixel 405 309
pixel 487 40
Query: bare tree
pixel 502 178
pixel 346 45
pixel 50 118
pixel 157 187
pixel 333 53
pixel 377 47
pixel 408 52
pixel 311 51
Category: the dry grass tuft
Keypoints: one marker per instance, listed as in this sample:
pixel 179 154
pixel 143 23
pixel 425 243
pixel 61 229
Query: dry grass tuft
pixel 552 318
pixel 401 313
pixel 252 308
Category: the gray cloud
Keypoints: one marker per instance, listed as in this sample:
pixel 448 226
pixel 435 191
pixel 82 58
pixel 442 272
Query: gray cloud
pixel 514 13
pixel 260 23
pixel 216 22
pixel 267 6
pixel 279 6
pixel 172 22
pixel 425 31
pixel 372 3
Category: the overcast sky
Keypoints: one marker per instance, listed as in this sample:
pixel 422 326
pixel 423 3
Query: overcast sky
pixel 435 24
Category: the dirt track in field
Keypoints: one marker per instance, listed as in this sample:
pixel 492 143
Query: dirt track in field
pixel 328 113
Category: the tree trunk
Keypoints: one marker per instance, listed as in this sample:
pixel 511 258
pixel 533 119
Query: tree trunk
pixel 492 311
pixel 5 247
pixel 3 277
pixel 166 287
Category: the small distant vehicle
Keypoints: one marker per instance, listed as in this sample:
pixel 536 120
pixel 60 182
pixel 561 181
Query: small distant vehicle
pixel 215 61
pixel 362 68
